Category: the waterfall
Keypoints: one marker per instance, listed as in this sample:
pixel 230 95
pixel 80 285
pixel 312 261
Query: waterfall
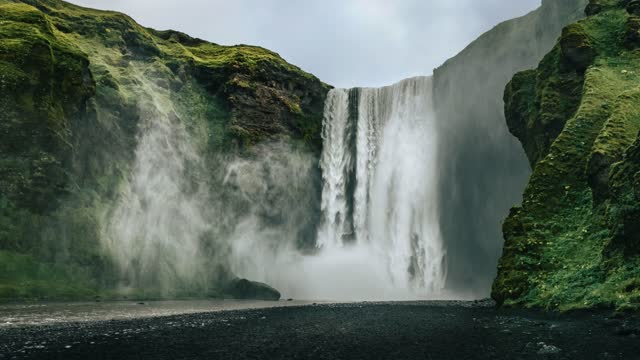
pixel 379 182
pixel 176 219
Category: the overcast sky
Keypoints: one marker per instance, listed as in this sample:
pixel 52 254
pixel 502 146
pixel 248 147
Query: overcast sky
pixel 345 43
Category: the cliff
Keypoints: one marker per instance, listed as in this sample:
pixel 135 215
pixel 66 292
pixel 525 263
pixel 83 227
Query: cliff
pixel 482 168
pixel 574 241
pixel 73 84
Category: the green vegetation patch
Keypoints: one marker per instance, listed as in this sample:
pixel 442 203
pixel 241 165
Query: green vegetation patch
pixel 573 242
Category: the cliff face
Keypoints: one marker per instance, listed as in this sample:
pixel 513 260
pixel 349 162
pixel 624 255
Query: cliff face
pixel 574 241
pixel 482 167
pixel 72 84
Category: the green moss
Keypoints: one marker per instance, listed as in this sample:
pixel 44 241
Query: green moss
pixel 71 80
pixel 572 243
pixel 207 117
pixel 538 103
pixel 23 277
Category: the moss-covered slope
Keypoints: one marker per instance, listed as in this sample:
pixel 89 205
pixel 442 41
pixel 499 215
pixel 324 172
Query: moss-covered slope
pixel 482 168
pixel 574 243
pixel 71 83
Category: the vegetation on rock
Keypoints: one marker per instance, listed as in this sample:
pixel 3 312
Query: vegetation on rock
pixel 482 169
pixel 69 116
pixel 573 243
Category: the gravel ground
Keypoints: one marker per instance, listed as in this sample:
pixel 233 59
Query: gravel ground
pixel 416 330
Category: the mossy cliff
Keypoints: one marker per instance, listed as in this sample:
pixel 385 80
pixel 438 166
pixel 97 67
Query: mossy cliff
pixel 574 243
pixel 482 168
pixel 71 84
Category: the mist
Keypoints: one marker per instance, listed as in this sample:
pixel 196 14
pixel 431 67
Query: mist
pixel 482 168
pixel 386 246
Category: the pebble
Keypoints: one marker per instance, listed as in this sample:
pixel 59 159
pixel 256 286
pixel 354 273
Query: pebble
pixel 548 349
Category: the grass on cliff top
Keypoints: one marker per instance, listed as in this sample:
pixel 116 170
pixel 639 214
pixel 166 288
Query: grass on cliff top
pixel 110 27
pixel 22 27
pixel 239 57
pixel 108 24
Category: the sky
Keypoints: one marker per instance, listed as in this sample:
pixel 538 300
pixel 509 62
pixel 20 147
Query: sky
pixel 345 43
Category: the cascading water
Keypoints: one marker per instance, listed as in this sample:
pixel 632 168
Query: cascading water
pixel 379 190
pixel 378 239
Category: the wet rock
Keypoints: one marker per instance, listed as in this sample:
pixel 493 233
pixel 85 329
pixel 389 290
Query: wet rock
pixel 593 8
pixel 577 47
pixel 252 290
pixel 633 7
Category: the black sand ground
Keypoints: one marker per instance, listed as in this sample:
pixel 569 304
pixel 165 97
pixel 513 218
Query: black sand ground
pixel 350 331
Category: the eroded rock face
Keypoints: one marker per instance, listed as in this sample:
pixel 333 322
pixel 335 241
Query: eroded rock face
pixel 633 7
pixel 596 7
pixel 574 241
pixel 44 87
pixel 577 47
pixel 538 103
pixel 593 8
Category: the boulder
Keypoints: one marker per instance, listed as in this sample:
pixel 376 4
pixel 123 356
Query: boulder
pixel 251 290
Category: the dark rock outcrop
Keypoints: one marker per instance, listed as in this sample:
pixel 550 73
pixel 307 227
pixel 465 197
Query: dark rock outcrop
pixel 577 47
pixel 633 8
pixel 251 290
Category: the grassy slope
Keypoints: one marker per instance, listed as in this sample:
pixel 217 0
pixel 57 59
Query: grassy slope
pixel 577 116
pixel 68 125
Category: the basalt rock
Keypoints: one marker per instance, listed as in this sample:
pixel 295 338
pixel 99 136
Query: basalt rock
pixel 577 47
pixel 244 289
pixel 633 7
